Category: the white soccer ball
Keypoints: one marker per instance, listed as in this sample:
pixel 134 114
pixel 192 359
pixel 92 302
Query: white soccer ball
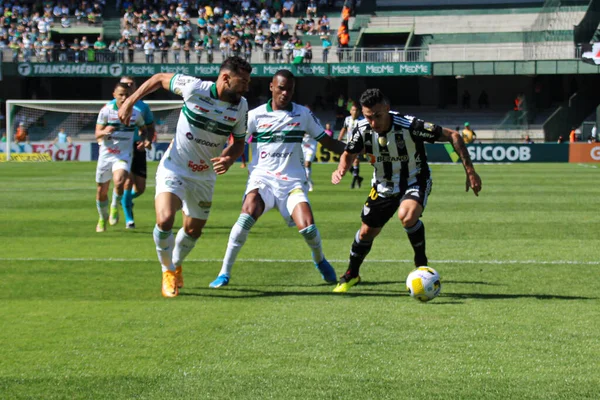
pixel 424 284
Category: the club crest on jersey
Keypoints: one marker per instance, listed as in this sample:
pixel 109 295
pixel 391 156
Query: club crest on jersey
pixel 428 126
pixel 400 142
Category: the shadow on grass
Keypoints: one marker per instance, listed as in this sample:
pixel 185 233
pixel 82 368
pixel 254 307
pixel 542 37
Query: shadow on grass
pixel 445 298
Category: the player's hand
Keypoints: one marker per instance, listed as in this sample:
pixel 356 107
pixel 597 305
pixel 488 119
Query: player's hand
pixel 336 176
pixel 473 182
pixel 148 144
pixel 125 112
pixel 108 130
pixel 221 164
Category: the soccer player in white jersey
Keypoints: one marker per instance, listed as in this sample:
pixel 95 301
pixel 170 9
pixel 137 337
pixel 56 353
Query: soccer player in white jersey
pixel 116 151
pixel 395 146
pixel 187 173
pixel 135 185
pixel 277 178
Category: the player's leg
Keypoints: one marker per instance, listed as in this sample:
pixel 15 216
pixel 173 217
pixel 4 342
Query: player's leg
pixel 166 204
pixel 185 241
pixel 301 213
pixel 103 175
pixel 411 208
pixel 356 165
pixel 102 205
pixel 253 207
pixel 376 212
pixel 119 176
pixel 127 202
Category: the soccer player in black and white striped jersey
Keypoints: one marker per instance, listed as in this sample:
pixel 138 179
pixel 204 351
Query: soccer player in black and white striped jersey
pixel 395 145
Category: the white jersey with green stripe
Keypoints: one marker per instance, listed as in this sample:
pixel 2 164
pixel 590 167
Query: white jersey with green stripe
pixel 120 142
pixel 204 125
pixel 278 136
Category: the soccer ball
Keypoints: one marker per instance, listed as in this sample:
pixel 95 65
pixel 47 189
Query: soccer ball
pixel 423 284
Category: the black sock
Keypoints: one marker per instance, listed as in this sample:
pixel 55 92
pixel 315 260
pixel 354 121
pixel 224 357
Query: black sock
pixel 416 235
pixel 354 181
pixel 360 249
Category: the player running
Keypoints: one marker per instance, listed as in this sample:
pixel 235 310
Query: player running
pixel 277 178
pixel 186 175
pixel 116 148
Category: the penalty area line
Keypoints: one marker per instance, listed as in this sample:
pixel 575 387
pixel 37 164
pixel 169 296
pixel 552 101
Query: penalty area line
pixel 268 260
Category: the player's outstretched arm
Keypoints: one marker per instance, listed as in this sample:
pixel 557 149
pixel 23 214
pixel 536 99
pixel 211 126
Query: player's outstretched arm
pixel 473 179
pixel 155 82
pixel 222 163
pixel 334 145
pixel 346 160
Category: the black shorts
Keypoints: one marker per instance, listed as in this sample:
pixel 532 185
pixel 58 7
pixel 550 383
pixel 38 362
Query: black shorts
pixel 138 164
pixel 378 210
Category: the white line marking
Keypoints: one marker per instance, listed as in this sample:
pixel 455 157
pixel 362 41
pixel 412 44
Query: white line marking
pixel 266 260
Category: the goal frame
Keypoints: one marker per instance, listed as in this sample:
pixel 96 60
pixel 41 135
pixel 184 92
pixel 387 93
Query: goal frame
pixel 10 104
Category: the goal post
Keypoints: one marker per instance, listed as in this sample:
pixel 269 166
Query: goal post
pixel 42 120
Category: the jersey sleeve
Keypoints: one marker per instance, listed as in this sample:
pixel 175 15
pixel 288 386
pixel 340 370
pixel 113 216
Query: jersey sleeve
pixel 251 123
pixel 184 85
pixel 102 117
pixel 313 126
pixel 424 131
pixel 346 124
pixel 239 130
pixel 356 144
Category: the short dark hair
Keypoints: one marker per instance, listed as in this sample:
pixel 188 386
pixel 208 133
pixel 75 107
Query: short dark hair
pixel 122 85
pixel 236 65
pixel 371 97
pixel 285 73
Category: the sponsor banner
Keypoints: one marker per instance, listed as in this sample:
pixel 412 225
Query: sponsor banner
pixel 501 153
pixel 584 152
pixel 76 151
pixel 70 69
pixel 23 157
pixel 381 69
pixel 101 70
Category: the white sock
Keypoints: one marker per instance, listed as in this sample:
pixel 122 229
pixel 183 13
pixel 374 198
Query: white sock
pixel 102 207
pixel 313 239
pixel 116 199
pixel 184 243
pixel 164 248
pixel 237 238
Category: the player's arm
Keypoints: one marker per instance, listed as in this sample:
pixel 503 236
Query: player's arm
pixel 102 131
pixel 354 147
pixel 155 82
pixel 342 133
pixel 473 179
pixel 330 143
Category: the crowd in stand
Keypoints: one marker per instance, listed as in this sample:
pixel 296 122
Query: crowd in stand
pixel 25 27
pixel 177 31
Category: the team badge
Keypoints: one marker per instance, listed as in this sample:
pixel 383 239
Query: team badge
pixel 382 141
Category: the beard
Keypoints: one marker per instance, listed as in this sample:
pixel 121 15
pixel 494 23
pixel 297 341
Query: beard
pixel 231 96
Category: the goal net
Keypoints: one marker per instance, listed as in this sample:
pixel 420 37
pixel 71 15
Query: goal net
pixel 43 119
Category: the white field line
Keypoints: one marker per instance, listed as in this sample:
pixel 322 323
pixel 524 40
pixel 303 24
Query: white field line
pixel 267 260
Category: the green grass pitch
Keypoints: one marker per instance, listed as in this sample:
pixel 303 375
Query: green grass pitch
pixel 81 314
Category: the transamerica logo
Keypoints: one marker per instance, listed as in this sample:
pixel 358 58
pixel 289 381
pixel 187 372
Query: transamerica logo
pixel 27 69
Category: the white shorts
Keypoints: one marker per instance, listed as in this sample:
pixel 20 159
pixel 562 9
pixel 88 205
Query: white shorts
pixel 195 195
pixel 108 165
pixel 309 152
pixel 281 195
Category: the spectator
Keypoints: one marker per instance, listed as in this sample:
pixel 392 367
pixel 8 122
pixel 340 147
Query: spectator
pixel 288 50
pixel 85 47
pixel 62 51
pixel 594 136
pixel 176 50
pixel 21 136
pixel 326 44
pixel 528 140
pixel 199 49
pixel 343 42
pixel 149 51
pixel 121 49
pixel 466 99
pixel 277 48
pixel 308 55
pixel 209 46
pixel 76 50
pixel 267 47
pixel 100 48
pixel 298 53
pixel 483 101
pixel 247 49
pixel 573 135
pixel 560 140
pixel 187 47
pixel 468 134
pixel 311 8
pixel 328 130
